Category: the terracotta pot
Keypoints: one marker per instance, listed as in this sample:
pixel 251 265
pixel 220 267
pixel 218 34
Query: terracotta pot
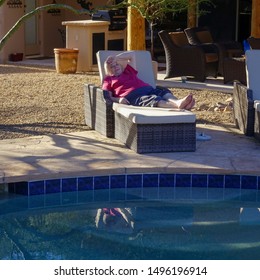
pixel 66 60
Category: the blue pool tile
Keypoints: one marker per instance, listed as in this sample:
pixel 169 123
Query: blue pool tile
pixel 101 182
pixel 248 195
pixel 101 195
pixel 36 201
pixel 199 180
pixel 232 194
pixel 11 187
pixel 215 193
pixel 85 196
pixel 232 181
pixel 248 182
pixel 199 193
pixel 150 193
pixel 69 198
pixel 36 187
pixel 183 180
pixel 134 181
pixel 166 193
pixel 117 181
pixel 166 180
pixel 150 180
pixel 19 188
pixel 118 194
pixel 183 193
pixel 85 183
pixel 69 184
pixel 53 199
pixel 53 186
pixel 134 193
pixel 215 181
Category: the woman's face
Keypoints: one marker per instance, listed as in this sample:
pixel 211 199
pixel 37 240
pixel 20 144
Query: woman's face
pixel 115 68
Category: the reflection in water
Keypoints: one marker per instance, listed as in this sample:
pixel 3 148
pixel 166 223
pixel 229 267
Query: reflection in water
pixel 133 230
pixel 115 219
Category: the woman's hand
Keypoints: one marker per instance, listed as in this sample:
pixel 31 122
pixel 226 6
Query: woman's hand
pixel 123 100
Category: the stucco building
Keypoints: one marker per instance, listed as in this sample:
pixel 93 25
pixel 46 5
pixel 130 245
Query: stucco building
pixel 39 35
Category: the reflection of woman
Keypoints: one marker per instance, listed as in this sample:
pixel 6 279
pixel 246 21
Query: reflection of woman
pixel 115 219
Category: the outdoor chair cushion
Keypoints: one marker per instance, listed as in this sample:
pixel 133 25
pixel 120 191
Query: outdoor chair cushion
pixel 204 37
pixel 143 63
pixel 252 72
pixel 254 42
pixel 179 38
pixel 148 115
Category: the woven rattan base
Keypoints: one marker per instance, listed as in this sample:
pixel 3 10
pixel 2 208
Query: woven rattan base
pixel 155 138
pixel 244 111
pixel 257 125
pixel 99 114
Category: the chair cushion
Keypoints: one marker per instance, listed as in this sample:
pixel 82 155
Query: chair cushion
pixel 211 57
pixel 204 37
pixel 234 52
pixel 257 105
pixel 142 58
pixel 148 115
pixel 252 72
pixel 179 38
pixel 254 42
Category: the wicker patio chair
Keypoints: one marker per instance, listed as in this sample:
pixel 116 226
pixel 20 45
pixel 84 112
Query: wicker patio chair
pixel 201 36
pixel 245 96
pixel 182 59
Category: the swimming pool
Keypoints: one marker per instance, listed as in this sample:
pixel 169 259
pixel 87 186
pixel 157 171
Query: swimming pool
pixel 135 216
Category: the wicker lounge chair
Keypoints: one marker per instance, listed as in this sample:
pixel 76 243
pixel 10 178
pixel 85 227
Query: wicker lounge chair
pixel 144 130
pixel 201 36
pixel 245 96
pixel 182 59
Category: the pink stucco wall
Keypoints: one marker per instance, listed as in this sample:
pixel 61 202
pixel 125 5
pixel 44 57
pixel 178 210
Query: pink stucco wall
pixel 49 25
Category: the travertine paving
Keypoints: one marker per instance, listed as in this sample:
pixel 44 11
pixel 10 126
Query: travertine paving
pixel 89 153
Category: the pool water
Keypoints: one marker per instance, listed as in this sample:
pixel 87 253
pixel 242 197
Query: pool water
pixel 131 229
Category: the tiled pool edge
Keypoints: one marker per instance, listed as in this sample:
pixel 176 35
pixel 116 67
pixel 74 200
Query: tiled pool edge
pixel 135 180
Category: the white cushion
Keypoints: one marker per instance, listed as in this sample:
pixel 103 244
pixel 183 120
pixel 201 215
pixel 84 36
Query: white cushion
pixel 143 64
pixel 257 105
pixel 253 72
pixel 148 115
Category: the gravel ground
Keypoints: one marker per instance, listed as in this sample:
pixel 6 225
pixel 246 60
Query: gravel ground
pixel 38 101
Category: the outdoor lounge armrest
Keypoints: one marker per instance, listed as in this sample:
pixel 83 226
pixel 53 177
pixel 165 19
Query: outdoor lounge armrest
pixel 244 111
pixel 99 114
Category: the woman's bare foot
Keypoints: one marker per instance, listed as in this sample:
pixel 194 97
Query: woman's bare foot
pixel 184 102
pixel 190 105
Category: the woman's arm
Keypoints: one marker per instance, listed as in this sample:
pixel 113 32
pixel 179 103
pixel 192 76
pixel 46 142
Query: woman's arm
pixel 120 100
pixel 126 57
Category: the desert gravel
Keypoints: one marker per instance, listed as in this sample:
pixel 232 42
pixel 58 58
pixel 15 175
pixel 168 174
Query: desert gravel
pixel 38 101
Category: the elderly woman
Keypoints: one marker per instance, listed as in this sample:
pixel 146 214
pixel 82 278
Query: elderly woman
pixel 125 87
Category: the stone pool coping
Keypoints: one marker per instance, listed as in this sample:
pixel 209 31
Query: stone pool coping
pixel 89 153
